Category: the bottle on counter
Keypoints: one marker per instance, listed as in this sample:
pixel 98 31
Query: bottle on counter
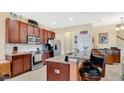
pixel 66 58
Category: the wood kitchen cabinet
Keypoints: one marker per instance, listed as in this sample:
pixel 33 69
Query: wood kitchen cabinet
pixel 46 54
pixel 53 35
pixel 19 63
pixel 49 34
pixel 116 56
pixel 109 59
pixel 26 62
pixel 17 32
pixel 23 32
pixel 30 30
pixel 12 31
pixel 58 71
pixel 45 38
pixel 36 31
pixel 41 36
pixel 113 55
pixel 5 69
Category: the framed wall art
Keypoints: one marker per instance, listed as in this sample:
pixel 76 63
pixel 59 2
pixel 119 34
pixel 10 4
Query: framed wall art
pixel 103 38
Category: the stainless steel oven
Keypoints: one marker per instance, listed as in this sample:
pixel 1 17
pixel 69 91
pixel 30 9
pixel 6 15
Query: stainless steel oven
pixel 36 60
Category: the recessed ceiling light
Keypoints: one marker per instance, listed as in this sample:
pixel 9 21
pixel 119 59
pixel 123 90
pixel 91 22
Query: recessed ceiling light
pixel 53 23
pixel 71 18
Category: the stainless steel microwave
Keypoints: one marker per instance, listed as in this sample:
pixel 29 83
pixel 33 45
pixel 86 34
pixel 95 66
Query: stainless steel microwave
pixel 33 39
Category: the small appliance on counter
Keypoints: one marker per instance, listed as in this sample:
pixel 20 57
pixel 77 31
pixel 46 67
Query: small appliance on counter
pixel 66 58
pixel 15 50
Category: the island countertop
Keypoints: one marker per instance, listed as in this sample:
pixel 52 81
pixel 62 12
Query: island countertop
pixel 61 59
pixel 16 54
pixel 58 69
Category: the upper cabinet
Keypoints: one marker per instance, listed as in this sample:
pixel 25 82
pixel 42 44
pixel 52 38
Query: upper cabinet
pixel 23 32
pixel 30 30
pixel 41 36
pixel 45 37
pixel 36 31
pixel 17 32
pixel 48 34
pixel 53 35
pixel 12 30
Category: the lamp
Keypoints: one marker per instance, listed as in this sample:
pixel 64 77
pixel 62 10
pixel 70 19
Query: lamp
pixel 121 25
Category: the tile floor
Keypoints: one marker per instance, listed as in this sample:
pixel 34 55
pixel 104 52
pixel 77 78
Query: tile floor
pixel 113 73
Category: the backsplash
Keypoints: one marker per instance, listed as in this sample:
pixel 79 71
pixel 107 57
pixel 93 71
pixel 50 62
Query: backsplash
pixel 21 48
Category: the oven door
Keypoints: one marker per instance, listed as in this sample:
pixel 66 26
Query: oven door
pixel 37 58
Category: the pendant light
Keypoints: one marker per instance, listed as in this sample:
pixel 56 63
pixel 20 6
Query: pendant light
pixel 121 25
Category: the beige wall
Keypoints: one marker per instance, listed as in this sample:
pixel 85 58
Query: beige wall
pixel 66 35
pixel 112 40
pixel 3 16
pixel 120 42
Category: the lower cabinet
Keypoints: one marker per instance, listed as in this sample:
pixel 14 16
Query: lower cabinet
pixel 46 54
pixel 19 63
pixel 109 59
pixel 58 71
pixel 26 62
pixel 16 65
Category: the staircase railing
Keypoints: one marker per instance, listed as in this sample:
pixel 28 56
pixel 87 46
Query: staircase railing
pixel 120 38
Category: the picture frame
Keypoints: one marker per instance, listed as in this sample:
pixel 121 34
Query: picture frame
pixel 103 38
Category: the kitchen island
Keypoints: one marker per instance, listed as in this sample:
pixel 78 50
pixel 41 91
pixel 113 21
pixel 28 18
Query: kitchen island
pixel 60 70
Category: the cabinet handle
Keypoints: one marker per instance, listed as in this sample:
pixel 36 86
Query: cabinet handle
pixel 56 71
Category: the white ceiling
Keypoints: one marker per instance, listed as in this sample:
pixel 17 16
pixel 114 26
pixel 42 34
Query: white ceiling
pixel 61 19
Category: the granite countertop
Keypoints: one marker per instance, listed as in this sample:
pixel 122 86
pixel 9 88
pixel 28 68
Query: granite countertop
pixel 57 59
pixel 61 58
pixel 16 54
pixel 4 61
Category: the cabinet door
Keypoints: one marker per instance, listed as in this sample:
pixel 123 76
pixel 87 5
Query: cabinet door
pixel 36 31
pixel 26 62
pixel 41 36
pixel 53 35
pixel 58 71
pixel 12 31
pixel 117 56
pixel 17 65
pixel 49 34
pixel 109 59
pixel 30 30
pixel 23 32
pixel 45 36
